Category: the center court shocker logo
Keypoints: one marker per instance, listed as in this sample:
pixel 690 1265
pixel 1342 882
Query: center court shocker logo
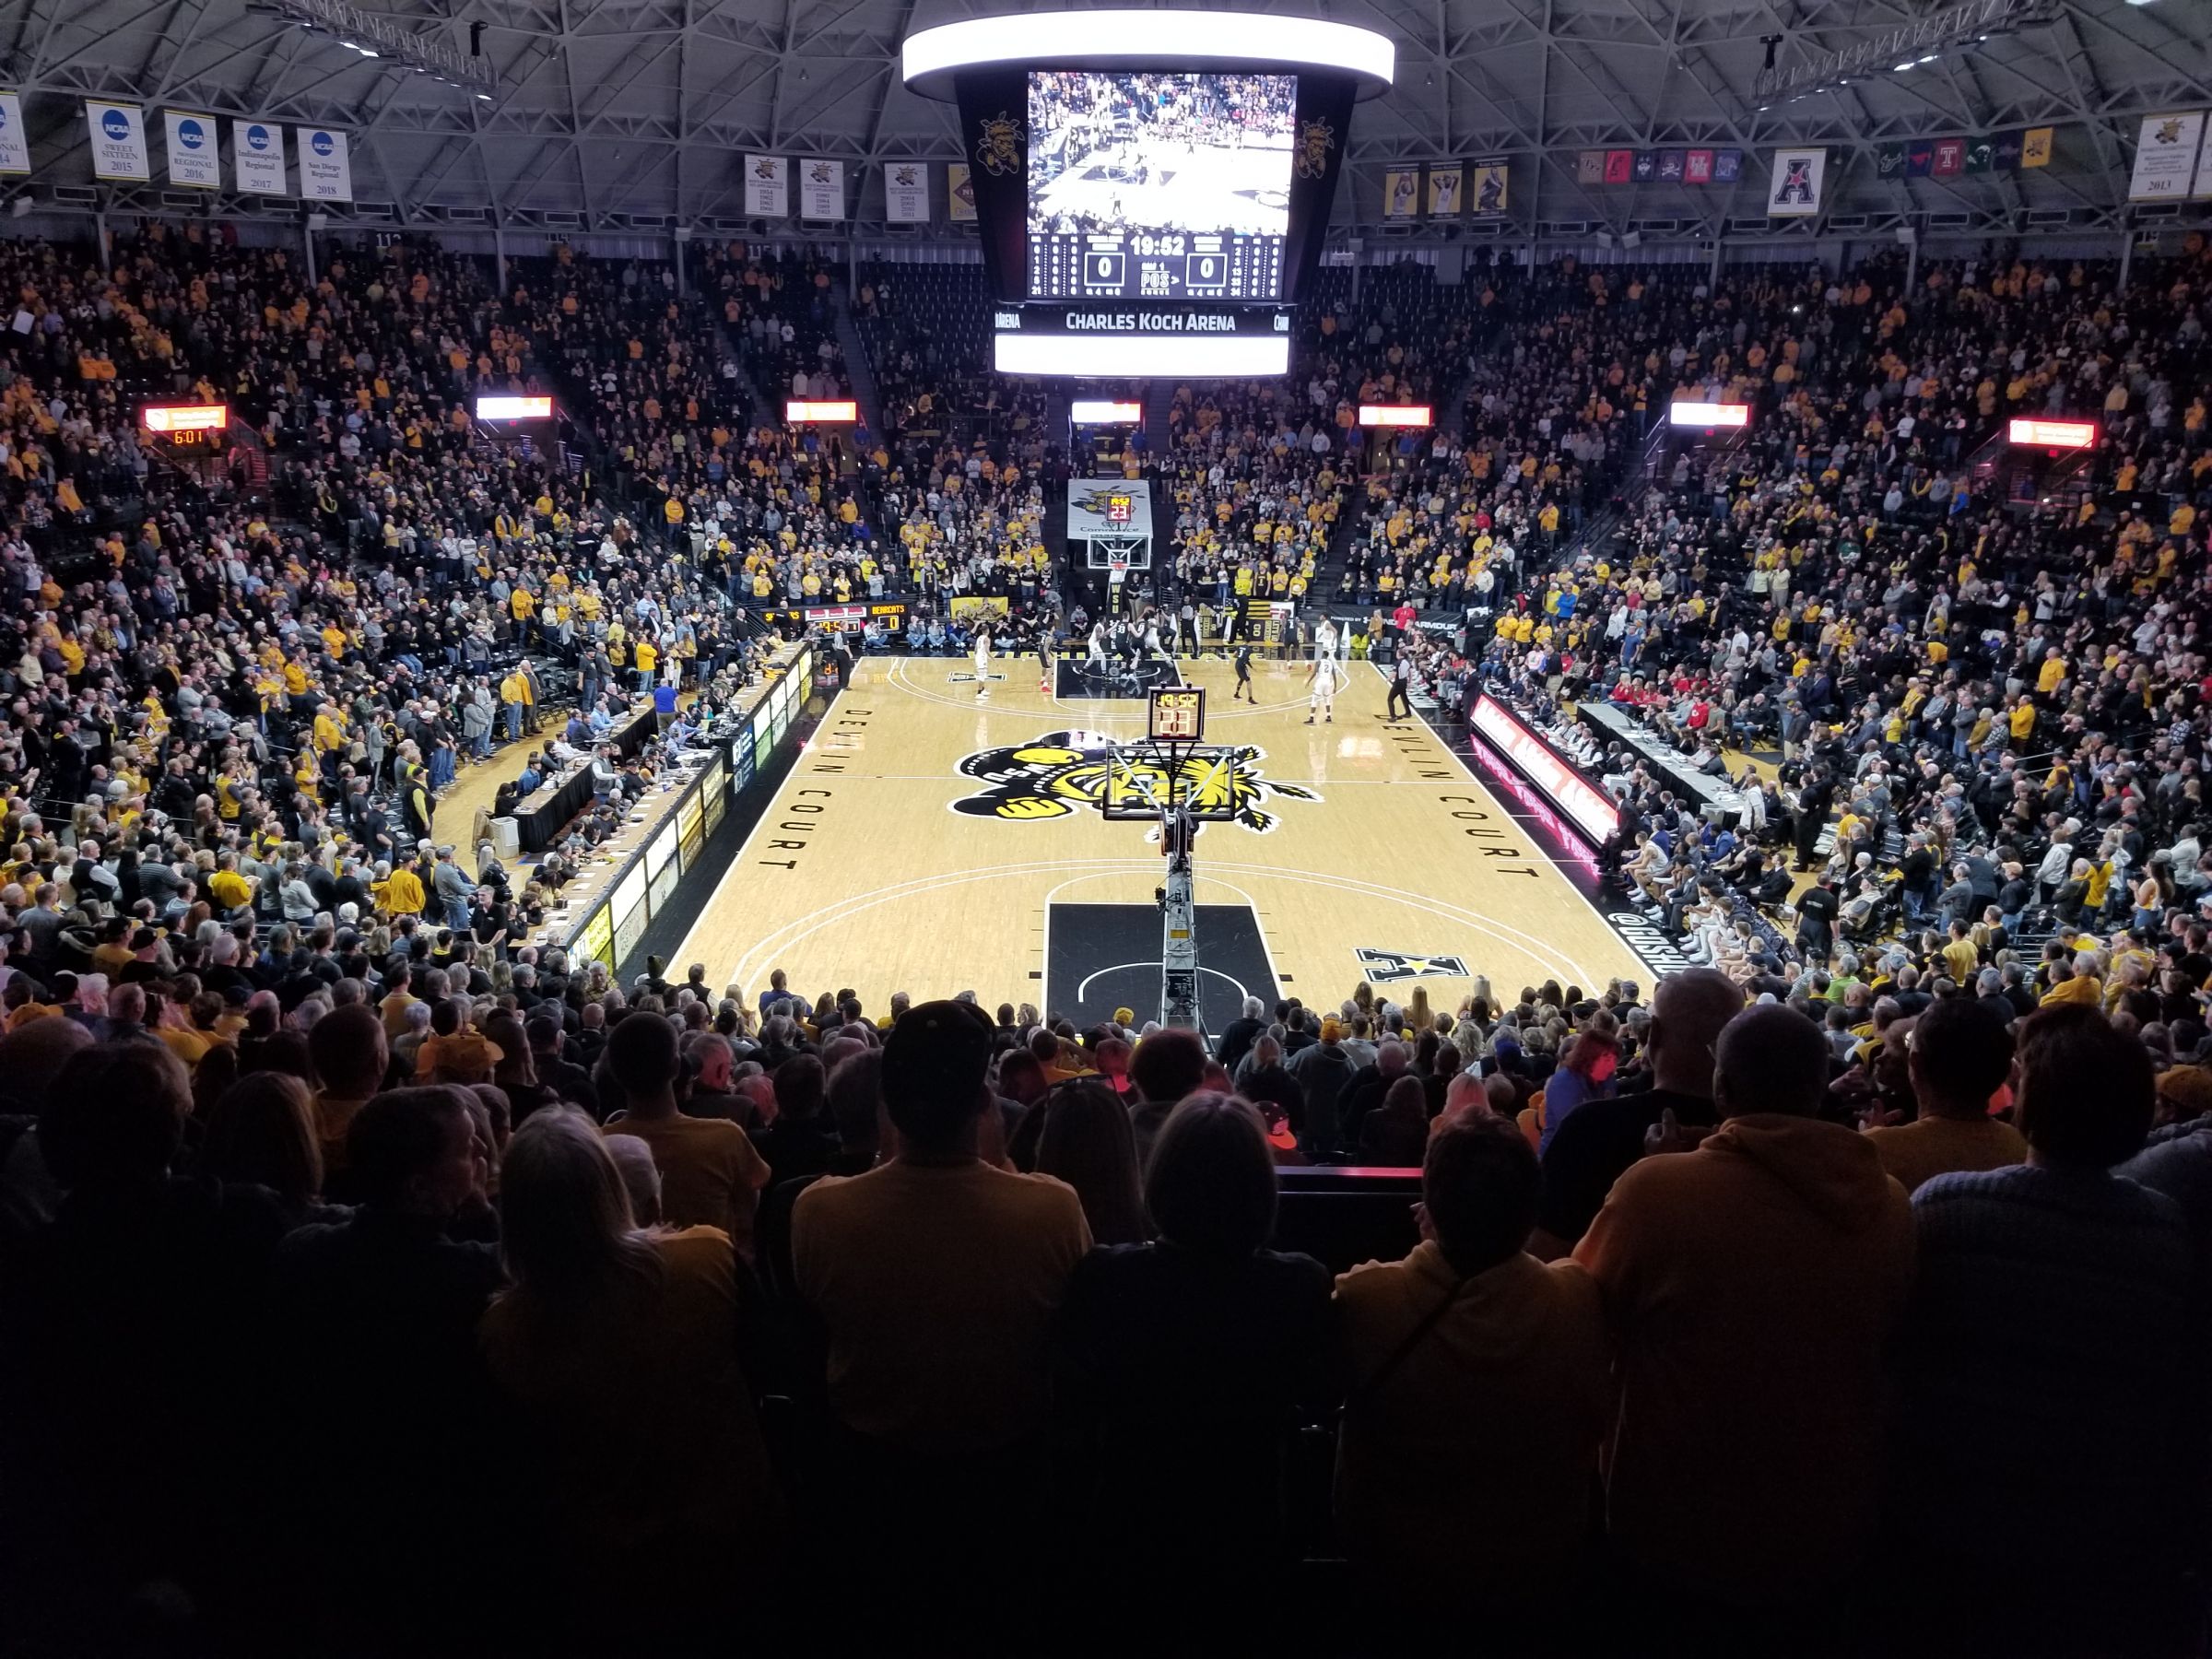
pixel 1062 773
pixel 998 144
pixel 1384 966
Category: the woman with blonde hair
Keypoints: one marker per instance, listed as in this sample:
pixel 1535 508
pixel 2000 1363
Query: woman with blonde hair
pixel 1420 1018
pixel 618 1351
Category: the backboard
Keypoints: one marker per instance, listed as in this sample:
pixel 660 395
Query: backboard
pixel 1143 778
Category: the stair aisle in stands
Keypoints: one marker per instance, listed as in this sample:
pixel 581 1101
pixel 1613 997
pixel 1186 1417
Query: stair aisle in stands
pixel 859 370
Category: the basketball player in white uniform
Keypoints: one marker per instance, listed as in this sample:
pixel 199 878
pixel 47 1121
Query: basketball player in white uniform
pixel 982 662
pixel 1098 644
pixel 1325 677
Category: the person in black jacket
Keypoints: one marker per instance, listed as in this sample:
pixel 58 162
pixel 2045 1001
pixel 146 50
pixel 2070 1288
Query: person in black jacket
pixel 1239 1034
pixel 1183 1365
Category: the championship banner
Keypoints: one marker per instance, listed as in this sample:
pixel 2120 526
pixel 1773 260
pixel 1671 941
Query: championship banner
pixel 959 194
pixel 1793 191
pixel 966 607
pixel 1401 193
pixel 15 139
pixel 821 190
pixel 257 157
pixel 2165 158
pixel 1444 192
pixel 906 193
pixel 118 142
pixel 195 159
pixel 767 186
pixel 325 166
pixel 1489 186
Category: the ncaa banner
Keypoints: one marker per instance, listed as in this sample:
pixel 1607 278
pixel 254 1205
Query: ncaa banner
pixel 195 156
pixel 1401 193
pixel 326 168
pixel 821 190
pixel 1794 190
pixel 258 154
pixel 15 140
pixel 1444 192
pixel 1489 186
pixel 906 193
pixel 2166 158
pixel 959 193
pixel 118 141
pixel 767 186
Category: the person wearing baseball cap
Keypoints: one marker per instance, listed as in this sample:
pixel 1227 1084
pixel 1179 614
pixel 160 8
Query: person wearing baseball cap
pixel 935 1277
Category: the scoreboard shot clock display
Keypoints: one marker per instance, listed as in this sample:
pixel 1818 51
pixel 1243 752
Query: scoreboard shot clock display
pixel 1178 713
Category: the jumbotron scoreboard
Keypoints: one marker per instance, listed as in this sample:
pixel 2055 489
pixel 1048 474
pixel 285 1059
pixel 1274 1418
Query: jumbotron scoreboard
pixel 1151 199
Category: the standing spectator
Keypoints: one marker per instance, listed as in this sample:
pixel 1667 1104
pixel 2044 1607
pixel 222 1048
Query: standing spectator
pixel 935 1277
pixel 2056 1502
pixel 619 1352
pixel 1185 1362
pixel 710 1176
pixel 1088 1141
pixel 1458 1430
pixel 1322 1071
pixel 1766 1268
pixel 1604 1137
pixel 1960 1055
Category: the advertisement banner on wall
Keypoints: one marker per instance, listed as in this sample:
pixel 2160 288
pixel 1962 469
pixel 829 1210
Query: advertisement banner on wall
pixel 195 159
pixel 118 141
pixel 767 186
pixel 906 193
pixel 2166 157
pixel 821 190
pixel 257 157
pixel 1793 191
pixel 967 607
pixel 14 141
pixel 325 166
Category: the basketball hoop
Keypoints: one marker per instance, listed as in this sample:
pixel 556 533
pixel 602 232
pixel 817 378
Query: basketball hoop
pixel 1117 568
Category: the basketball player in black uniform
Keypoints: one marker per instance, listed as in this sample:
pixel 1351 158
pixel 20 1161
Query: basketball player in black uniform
pixel 1243 675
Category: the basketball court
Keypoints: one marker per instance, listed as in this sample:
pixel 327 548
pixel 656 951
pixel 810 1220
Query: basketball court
pixel 932 841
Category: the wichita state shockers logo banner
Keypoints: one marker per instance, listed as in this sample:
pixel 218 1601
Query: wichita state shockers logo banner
pixel 1063 774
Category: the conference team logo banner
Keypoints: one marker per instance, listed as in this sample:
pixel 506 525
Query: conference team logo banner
pixel 906 193
pixel 195 159
pixel 959 194
pixel 1950 158
pixel 1799 177
pixel 257 157
pixel 1699 167
pixel 15 139
pixel 118 142
pixel 821 190
pixel 1402 193
pixel 767 186
pixel 1443 190
pixel 2166 157
pixel 325 167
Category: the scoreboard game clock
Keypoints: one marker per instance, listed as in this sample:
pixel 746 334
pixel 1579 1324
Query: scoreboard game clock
pixel 1176 713
pixel 186 428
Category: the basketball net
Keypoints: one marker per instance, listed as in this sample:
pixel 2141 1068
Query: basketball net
pixel 1117 567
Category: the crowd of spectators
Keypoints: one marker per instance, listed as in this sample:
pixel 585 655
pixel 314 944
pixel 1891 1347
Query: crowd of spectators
pixel 600 1317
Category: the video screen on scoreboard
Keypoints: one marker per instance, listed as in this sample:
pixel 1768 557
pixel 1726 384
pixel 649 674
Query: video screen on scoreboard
pixel 1159 186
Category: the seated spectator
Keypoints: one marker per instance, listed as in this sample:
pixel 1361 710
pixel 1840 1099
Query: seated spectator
pixel 1467 1454
pixel 1185 1364
pixel 1766 1267
pixel 2045 1294
pixel 1960 1055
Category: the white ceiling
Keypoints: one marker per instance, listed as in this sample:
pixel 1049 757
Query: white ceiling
pixel 632 113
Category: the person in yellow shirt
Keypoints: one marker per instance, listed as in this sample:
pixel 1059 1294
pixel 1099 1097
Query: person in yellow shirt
pixel 399 893
pixel 648 661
